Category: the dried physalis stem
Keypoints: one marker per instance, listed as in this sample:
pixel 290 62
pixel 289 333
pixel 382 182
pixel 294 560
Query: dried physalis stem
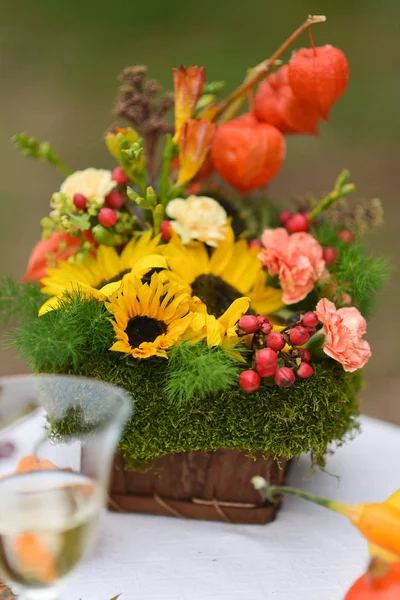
pixel 263 68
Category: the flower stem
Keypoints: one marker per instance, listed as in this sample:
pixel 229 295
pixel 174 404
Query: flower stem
pixel 263 68
pixel 342 188
pixel 170 152
pixel 271 491
pixel 310 34
pixel 63 169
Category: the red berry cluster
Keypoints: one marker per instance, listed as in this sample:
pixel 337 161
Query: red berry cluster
pixel 107 216
pixel 330 253
pixel 300 222
pixel 270 357
pixel 295 223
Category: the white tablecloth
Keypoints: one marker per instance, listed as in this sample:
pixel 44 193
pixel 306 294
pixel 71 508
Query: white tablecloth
pixel 308 553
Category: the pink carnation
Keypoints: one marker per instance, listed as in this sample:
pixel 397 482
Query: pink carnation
pixel 343 331
pixel 296 258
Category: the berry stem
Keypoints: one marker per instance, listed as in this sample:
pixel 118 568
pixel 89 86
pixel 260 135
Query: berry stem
pixel 310 34
pixel 262 69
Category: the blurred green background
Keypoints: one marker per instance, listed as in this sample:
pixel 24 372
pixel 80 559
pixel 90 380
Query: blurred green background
pixel 58 64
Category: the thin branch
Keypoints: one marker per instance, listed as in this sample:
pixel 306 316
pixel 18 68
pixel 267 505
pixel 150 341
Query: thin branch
pixel 263 68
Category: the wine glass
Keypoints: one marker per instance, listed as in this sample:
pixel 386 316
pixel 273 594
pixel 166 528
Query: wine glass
pixel 60 434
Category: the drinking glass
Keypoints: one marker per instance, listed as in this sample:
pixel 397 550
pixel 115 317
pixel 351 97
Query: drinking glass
pixel 58 435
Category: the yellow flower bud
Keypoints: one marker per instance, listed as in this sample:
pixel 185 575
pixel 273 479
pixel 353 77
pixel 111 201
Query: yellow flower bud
pixel 114 139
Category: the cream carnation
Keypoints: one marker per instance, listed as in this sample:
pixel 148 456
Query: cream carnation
pixel 199 218
pixel 94 184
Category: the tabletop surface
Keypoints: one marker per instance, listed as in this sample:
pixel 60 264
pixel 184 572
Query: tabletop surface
pixel 308 553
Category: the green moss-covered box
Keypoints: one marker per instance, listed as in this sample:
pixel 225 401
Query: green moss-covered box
pixel 197 459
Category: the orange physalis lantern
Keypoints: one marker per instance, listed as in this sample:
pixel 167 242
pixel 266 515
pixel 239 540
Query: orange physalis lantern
pixel 247 154
pixel 319 76
pixel 277 105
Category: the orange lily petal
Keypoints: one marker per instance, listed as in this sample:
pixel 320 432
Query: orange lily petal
pixel 194 144
pixel 188 85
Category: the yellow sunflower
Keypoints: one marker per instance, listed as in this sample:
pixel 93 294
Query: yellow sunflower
pixel 228 273
pixel 148 317
pixel 100 275
pixel 218 332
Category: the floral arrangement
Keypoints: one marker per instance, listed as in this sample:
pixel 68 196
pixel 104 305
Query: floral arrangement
pixel 232 323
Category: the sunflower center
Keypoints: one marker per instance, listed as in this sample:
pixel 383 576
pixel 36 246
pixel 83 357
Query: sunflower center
pixel 117 277
pixel 216 293
pixel 144 329
pixel 147 277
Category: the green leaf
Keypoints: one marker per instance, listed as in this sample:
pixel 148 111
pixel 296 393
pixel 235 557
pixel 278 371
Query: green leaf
pixel 315 346
pixel 214 87
pixel 81 222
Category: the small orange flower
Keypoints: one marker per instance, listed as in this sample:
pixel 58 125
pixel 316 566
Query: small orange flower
pixel 194 144
pixel 379 523
pixel 188 85
pixel 59 246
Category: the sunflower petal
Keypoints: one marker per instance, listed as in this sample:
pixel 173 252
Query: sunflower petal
pixel 267 300
pixel 50 304
pixel 236 310
pixel 214 333
pixel 110 288
pixel 222 255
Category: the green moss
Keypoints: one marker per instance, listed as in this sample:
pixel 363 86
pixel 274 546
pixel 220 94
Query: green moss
pixel 306 417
